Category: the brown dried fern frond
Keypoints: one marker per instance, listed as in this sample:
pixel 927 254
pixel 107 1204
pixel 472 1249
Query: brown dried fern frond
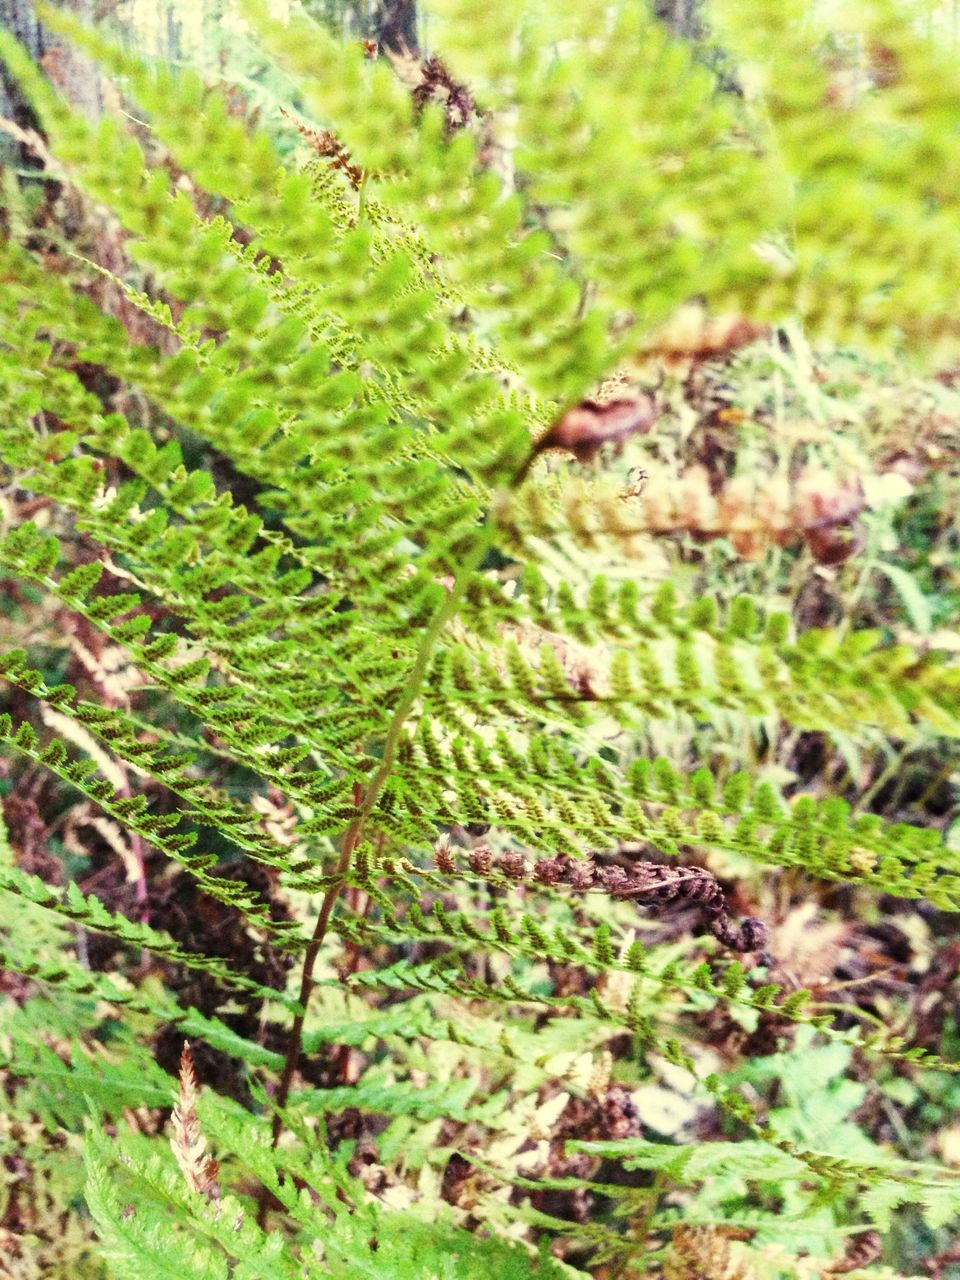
pixel 188 1143
pixel 329 147
pixel 706 1253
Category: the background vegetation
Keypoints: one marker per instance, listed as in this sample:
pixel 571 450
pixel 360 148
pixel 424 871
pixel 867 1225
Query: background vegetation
pixel 479 702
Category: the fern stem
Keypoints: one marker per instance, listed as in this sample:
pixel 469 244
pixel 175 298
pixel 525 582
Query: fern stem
pixel 295 1042
pixel 640 1225
pixel 365 807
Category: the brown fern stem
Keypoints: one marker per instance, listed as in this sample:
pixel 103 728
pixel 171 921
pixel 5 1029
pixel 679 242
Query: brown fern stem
pixel 364 802
pixel 295 1043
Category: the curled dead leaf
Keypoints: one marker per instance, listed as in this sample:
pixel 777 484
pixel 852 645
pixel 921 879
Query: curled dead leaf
pixel 585 428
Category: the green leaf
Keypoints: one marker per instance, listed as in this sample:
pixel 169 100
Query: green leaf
pixel 914 601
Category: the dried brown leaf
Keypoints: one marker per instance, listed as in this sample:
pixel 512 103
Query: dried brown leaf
pixel 589 425
pixel 188 1143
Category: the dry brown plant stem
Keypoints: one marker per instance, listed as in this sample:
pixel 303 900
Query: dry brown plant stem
pixel 306 977
pixel 364 802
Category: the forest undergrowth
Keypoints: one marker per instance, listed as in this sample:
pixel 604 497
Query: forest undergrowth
pixel 479 697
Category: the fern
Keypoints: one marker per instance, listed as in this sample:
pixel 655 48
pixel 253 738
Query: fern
pixel 318 522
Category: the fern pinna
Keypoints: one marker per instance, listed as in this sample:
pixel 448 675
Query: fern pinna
pixel 311 434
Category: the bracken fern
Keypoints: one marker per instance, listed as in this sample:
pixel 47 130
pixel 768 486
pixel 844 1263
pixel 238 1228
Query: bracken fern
pixel 320 515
